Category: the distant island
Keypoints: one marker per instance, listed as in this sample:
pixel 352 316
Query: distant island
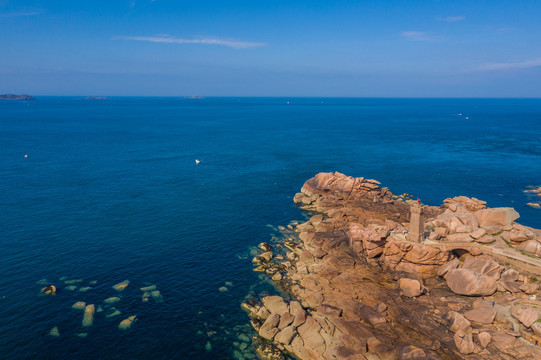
pixel 194 97
pixel 96 98
pixel 16 97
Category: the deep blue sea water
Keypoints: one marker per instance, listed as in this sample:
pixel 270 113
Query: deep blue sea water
pixel 110 191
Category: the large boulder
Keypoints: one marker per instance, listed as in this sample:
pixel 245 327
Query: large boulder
pixel 371 239
pixel 501 216
pixel 464 342
pixel 477 277
pixel 413 257
pixel 410 287
pixel 457 321
pixel 483 266
pixel 470 204
pixel 532 247
pixel 484 338
pixel 527 316
pixel 456 222
pixel 270 327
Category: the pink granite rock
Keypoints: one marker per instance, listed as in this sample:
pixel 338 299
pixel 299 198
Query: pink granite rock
pixel 529 288
pixel 532 247
pixel 478 276
pixel 459 237
pixel 471 204
pixel 481 316
pixel 275 304
pixel 329 310
pixel 453 264
pixel 502 216
pixel 285 320
pixel 467 282
pixel 483 266
pixel 457 321
pixel 527 316
pixel 410 287
pixel 286 335
pixel 270 327
pixel 309 333
pixel 411 352
pixel 413 258
pixel 464 342
pixel 484 338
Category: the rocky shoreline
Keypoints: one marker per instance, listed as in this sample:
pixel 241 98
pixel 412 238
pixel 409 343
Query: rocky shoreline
pixel 364 282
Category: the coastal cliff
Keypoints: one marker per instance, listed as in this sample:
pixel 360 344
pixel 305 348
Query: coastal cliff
pixel 373 275
pixel 16 97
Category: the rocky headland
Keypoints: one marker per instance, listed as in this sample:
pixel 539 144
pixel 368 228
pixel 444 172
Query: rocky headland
pixel 16 97
pixel 373 275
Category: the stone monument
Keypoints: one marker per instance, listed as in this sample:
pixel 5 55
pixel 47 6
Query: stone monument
pixel 416 232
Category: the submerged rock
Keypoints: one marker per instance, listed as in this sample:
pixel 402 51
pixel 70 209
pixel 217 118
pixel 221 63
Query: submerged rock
pixel 112 300
pixel 223 289
pixel 148 288
pixel 73 282
pixel 127 323
pixel 88 318
pixel 121 286
pixel 157 296
pixel 113 312
pixel 79 305
pixel 54 332
pixel 49 290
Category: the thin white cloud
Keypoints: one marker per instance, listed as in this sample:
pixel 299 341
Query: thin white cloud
pixel 525 64
pixel 21 13
pixel 454 18
pixel 164 38
pixel 417 36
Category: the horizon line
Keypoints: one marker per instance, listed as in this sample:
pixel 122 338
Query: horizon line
pixel 202 97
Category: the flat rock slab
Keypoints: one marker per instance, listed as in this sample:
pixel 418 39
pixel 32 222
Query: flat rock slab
pixel 275 304
pixel 481 316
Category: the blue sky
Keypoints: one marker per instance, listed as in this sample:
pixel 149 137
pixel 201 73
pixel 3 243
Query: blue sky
pixel 413 48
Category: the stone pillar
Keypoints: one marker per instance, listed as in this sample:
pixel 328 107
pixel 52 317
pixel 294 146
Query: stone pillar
pixel 416 232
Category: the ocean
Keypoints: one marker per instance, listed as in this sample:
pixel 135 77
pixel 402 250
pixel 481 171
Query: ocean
pixel 110 190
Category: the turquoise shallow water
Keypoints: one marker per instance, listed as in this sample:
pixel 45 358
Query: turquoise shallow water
pixel 110 191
